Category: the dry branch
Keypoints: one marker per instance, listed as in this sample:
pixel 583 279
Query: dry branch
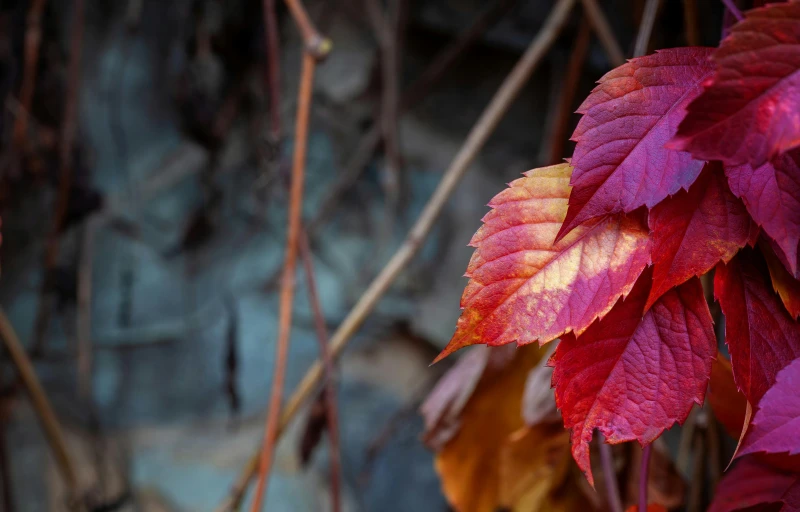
pixel 41 404
pixel 603 30
pixel 476 139
pixel 646 27
pixel 287 286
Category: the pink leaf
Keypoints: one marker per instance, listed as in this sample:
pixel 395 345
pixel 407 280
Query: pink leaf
pixel 776 425
pixel 620 160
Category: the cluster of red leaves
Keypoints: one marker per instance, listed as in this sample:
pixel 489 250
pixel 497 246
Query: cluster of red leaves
pixel 687 162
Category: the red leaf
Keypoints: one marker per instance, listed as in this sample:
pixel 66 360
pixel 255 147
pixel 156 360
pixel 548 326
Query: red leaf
pixel 787 287
pixel 776 425
pixel 752 483
pixel 771 194
pixel 620 160
pixel 630 376
pixel 695 230
pixel 749 111
pixel 762 338
pixel 525 288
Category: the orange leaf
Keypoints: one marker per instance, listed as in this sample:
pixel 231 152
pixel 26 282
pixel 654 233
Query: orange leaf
pixel 524 287
pixel 493 461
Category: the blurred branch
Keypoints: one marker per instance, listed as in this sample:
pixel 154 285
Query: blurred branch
pixel 731 6
pixel 646 27
pixel 65 155
pixel 416 92
pixel 315 44
pixel 330 388
pixel 41 404
pixel 690 22
pixel 569 88
pixel 33 40
pixel 644 473
pixel 476 139
pixel 603 29
pixel 609 474
pixel 84 312
pixel 287 286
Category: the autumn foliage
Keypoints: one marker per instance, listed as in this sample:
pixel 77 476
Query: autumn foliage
pixel 687 164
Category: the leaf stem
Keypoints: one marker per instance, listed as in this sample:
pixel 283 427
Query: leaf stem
pixel 646 27
pixel 731 6
pixel 609 474
pixel 643 477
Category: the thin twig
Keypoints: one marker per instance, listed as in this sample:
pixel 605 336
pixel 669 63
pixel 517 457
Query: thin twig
pixel 603 30
pixel 84 312
pixel 41 404
pixel 65 179
pixel 697 481
pixel 33 40
pixel 385 28
pixel 477 137
pixel 690 22
pixel 643 477
pixel 330 387
pixel 731 6
pixel 646 27
pixel 272 67
pixel 609 474
pixel 569 88
pixel 287 286
pixel 317 45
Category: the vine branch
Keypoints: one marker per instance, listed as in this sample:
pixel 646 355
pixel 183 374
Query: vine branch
pixel 476 139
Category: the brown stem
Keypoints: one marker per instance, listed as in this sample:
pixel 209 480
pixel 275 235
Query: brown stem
pixel 568 91
pixel 330 388
pixel 476 139
pixel 609 474
pixel 386 31
pixel 84 312
pixel 47 417
pixel 690 22
pixel 33 40
pixel 646 27
pixel 604 33
pixel 65 178
pixel 318 46
pixel 287 285
pixel 272 67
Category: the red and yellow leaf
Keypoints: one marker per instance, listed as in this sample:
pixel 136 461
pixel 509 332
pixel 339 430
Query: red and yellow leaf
pixel 750 483
pixel 771 194
pixel 633 376
pixel 787 287
pixel 776 425
pixel 696 229
pixel 620 160
pixel 762 338
pixel 749 111
pixel 524 287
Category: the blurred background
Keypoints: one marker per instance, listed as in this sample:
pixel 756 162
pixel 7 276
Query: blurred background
pixel 144 197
